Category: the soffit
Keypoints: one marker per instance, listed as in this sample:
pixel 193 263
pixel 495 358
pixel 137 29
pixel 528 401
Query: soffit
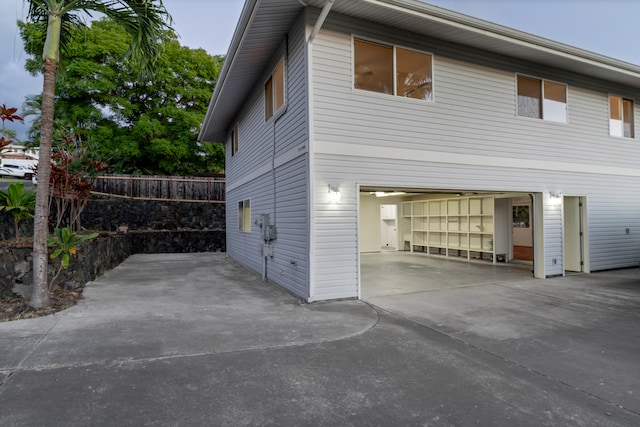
pixel 263 24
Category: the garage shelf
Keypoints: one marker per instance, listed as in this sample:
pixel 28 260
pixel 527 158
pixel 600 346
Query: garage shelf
pixel 453 227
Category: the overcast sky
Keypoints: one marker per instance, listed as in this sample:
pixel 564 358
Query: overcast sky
pixel 608 27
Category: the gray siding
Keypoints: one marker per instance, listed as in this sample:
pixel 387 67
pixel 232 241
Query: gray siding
pixel 612 206
pixel 272 160
pixel 474 109
pixel 469 138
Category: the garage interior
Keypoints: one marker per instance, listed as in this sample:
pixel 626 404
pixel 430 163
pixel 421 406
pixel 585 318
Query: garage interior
pixel 415 240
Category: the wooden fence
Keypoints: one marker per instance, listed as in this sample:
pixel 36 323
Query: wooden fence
pixel 190 189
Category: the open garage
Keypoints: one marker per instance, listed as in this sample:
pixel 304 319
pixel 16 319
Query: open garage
pixel 418 239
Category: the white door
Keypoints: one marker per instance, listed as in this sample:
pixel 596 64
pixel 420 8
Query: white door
pixel 573 246
pixel 388 226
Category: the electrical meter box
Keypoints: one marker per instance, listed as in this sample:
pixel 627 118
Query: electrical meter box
pixel 268 230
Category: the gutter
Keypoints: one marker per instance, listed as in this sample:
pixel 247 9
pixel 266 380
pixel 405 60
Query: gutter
pixel 246 18
pixel 323 16
pixel 506 34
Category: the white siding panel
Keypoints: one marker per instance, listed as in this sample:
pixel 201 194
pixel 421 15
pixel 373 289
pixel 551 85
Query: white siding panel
pixel 290 264
pixel 263 145
pixel 474 109
pixel 247 247
pixel 613 204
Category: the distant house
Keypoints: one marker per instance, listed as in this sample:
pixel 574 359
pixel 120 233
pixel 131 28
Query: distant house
pixel 487 143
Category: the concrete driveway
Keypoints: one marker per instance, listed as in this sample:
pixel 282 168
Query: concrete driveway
pixel 195 339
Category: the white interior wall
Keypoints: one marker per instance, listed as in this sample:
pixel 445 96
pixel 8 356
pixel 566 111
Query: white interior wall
pixel 370 237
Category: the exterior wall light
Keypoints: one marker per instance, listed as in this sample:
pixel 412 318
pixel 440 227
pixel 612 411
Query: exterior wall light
pixel 334 193
pixel 555 198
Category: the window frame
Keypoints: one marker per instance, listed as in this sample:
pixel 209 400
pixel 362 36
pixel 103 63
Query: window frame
pixel 541 114
pixel 621 106
pixel 394 69
pixel 235 139
pixel 244 215
pixel 271 91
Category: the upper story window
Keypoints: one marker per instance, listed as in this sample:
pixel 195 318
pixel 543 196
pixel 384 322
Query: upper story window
pixel 392 70
pixel 542 99
pixel 620 117
pixel 274 91
pixel 235 141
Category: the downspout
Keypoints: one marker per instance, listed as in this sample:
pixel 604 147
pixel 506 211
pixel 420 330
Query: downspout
pixel 267 245
pixel 323 15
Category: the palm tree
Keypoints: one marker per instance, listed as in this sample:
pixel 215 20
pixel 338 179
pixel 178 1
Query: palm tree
pixel 145 20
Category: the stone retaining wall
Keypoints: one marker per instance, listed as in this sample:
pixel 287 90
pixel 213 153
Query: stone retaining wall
pixel 107 214
pixel 96 257
pixel 153 227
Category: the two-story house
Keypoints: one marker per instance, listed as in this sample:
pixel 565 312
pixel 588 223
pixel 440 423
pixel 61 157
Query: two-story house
pixel 490 144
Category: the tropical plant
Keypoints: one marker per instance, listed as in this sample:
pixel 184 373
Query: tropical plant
pixel 72 176
pixel 65 243
pixel 18 203
pixel 145 20
pixel 7 134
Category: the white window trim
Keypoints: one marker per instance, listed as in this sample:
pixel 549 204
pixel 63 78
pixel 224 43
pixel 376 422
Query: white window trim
pixel 241 226
pixel 279 111
pixel 529 76
pixel 609 95
pixel 395 83
pixel 235 132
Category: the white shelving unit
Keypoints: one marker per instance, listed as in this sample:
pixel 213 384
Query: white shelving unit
pixel 460 227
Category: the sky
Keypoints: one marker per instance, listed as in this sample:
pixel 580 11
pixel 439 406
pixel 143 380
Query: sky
pixel 607 27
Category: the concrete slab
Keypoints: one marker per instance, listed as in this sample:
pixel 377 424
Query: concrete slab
pixel 196 339
pixel 20 337
pixel 398 373
pixel 579 330
pixel 168 305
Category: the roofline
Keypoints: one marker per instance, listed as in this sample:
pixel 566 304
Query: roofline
pixel 596 65
pixel 246 17
pixel 505 33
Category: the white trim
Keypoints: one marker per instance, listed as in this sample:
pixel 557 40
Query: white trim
pixel 633 111
pixel 394 47
pixel 276 113
pixel 358 266
pixel 374 151
pixel 311 171
pixel 542 82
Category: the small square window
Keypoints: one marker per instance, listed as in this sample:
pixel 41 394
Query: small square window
pixel 621 117
pixel 392 70
pixel 542 99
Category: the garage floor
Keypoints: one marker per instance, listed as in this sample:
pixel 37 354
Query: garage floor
pixel 392 273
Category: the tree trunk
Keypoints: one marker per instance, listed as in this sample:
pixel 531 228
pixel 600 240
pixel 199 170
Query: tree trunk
pixel 40 292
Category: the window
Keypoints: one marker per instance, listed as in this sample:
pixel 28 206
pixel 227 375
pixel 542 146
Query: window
pixel 620 117
pixel 244 215
pixel 542 99
pixel 234 140
pixel 392 70
pixel 274 91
